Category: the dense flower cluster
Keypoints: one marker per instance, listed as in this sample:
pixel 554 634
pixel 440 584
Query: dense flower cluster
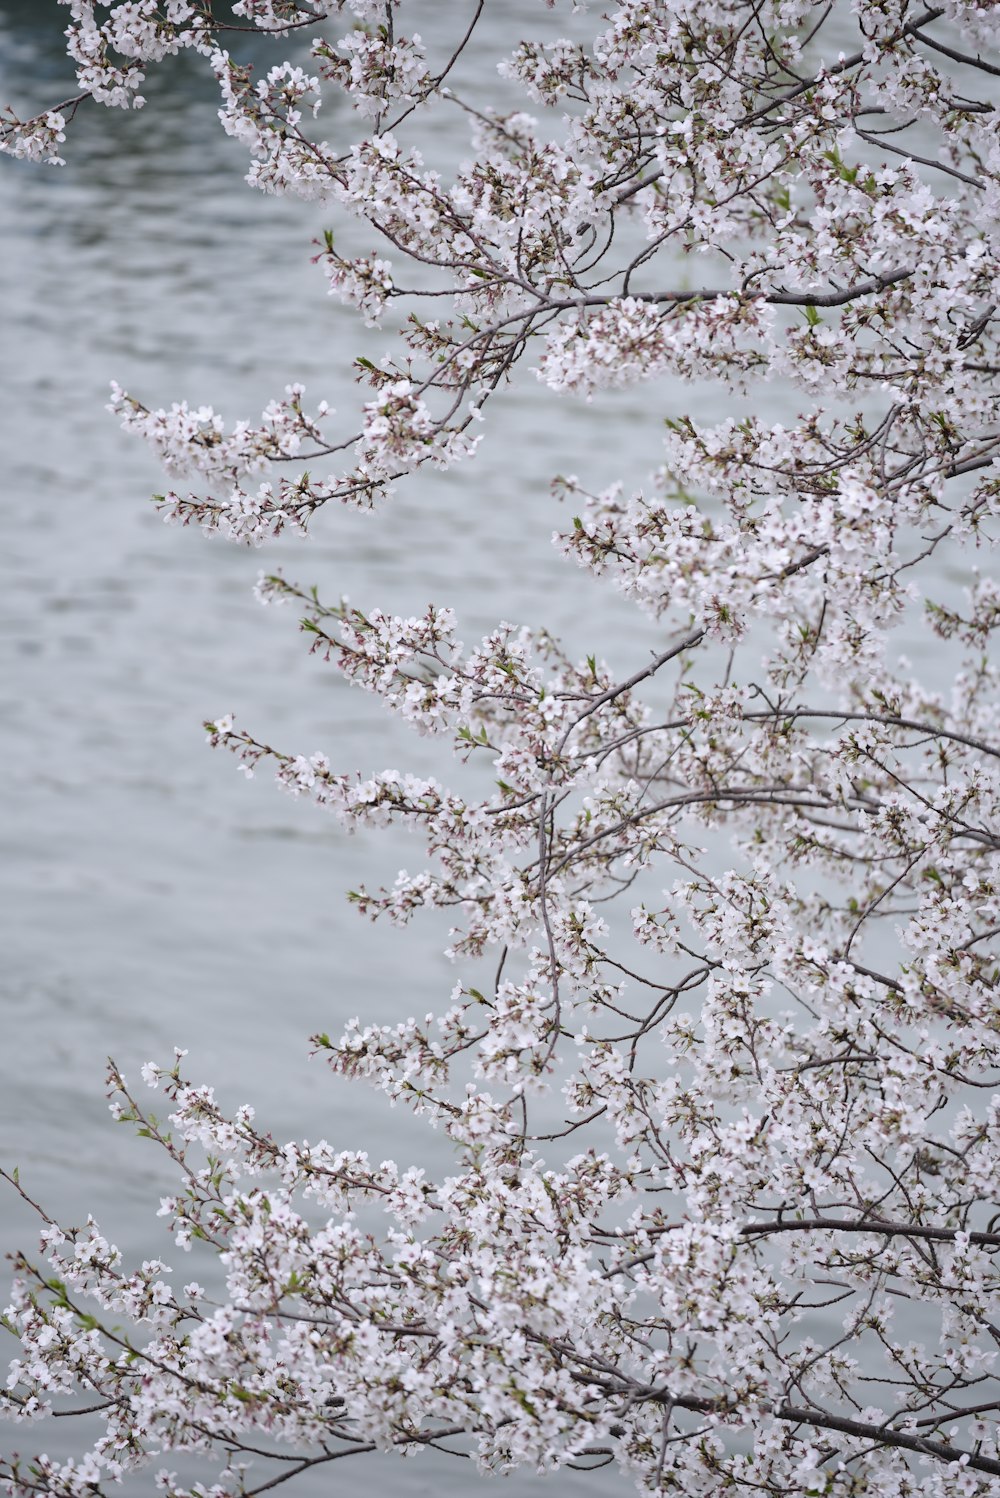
pixel 759 1254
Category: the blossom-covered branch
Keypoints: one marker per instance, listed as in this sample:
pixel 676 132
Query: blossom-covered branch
pixel 722 1209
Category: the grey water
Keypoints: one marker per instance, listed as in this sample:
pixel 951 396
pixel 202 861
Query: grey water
pixel 151 896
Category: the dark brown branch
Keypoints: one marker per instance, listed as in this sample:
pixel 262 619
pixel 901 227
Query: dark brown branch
pixel 880 1435
pixel 962 57
pixel 884 1435
pixel 890 720
pixel 869 1225
pixel 938 166
pixel 844 66
pixel 688 643
pixel 773 298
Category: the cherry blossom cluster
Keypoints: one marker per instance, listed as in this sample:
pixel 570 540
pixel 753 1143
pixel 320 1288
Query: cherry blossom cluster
pixel 720 1066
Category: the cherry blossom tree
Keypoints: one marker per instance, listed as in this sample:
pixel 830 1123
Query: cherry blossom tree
pixel 759 1256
